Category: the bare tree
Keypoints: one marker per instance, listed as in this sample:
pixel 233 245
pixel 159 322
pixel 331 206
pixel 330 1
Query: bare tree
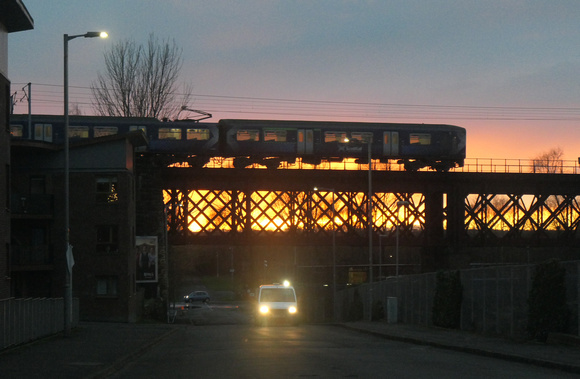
pixel 140 81
pixel 75 109
pixel 549 161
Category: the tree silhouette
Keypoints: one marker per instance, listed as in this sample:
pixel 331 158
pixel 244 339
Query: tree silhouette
pixel 549 162
pixel 140 81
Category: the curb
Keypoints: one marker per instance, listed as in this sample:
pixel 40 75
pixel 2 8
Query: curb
pixel 470 350
pixel 121 362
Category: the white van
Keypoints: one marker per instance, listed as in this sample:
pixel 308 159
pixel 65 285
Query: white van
pixel 276 301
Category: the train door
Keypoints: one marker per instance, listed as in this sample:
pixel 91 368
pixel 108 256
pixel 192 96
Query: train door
pixel 43 132
pixel 390 144
pixel 305 142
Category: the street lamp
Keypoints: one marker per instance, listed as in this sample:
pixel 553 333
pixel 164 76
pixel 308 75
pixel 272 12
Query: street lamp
pixel 370 227
pixel 68 248
pixel 399 204
pixel 333 249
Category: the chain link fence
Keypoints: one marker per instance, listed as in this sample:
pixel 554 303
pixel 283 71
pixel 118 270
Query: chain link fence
pixel 495 299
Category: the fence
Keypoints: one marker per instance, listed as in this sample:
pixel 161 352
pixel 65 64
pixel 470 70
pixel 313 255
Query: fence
pixel 494 298
pixel 493 165
pixel 24 320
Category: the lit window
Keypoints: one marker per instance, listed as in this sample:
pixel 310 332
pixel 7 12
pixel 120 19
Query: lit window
pixel 275 135
pixel 420 139
pixel 102 131
pixel 78 132
pixel 132 128
pixel 334 136
pixel 107 239
pixel 198 134
pixel 16 131
pixel 362 137
pixel 248 135
pixel 107 190
pixel 107 285
pixel 169 133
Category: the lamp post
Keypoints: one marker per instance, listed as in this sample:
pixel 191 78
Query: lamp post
pixel 68 249
pixel 399 204
pixel 333 249
pixel 370 227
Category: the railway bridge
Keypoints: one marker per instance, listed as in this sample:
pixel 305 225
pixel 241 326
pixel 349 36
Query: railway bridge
pixel 432 216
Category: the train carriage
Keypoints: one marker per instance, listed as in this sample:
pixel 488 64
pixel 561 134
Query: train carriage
pixel 265 142
pixel 270 142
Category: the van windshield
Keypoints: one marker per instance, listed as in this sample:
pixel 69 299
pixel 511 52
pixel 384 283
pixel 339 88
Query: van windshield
pixel 277 295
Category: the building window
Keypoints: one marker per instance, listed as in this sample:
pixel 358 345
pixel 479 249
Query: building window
pixel 107 239
pixel 37 185
pixel 107 285
pixel 107 190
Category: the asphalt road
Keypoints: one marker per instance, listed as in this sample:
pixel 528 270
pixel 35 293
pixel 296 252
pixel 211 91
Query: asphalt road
pixel 219 341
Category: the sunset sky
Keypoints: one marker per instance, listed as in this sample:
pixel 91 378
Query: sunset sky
pixel 507 71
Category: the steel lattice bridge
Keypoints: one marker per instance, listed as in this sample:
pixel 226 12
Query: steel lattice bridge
pixel 248 206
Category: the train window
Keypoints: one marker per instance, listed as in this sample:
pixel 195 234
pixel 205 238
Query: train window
pixel 169 133
pixel 275 135
pixel 198 134
pixel 132 128
pixel 248 135
pixel 16 131
pixel 102 131
pixel 362 137
pixel 334 136
pixel 78 132
pixel 420 139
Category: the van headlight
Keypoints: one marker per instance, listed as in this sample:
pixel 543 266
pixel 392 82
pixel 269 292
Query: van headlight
pixel 264 309
pixel 292 310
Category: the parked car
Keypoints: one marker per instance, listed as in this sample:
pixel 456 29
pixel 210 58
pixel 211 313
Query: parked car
pixel 197 296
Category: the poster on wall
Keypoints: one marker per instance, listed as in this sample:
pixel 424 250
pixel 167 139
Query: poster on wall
pixel 146 259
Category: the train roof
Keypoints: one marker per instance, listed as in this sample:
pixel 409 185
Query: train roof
pixel 335 124
pixel 96 120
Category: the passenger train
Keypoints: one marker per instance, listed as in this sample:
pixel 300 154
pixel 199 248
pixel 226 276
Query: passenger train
pixel 267 142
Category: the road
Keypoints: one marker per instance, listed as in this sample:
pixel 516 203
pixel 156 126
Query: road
pixel 219 341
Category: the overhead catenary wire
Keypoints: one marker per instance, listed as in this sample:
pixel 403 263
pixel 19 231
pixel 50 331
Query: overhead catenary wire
pixel 48 99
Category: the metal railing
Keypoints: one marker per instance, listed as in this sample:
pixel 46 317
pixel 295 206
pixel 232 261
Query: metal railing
pixel 482 165
pixel 25 320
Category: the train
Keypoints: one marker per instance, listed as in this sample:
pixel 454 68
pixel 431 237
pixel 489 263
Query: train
pixel 269 143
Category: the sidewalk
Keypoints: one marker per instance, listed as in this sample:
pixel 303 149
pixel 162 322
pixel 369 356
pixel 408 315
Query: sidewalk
pixel 553 355
pixel 95 350
pixel 91 351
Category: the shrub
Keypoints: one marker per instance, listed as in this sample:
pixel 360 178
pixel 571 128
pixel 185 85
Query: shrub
pixel 378 311
pixel 547 307
pixel 447 300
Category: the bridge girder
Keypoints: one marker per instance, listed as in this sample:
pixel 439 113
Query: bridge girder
pixel 240 206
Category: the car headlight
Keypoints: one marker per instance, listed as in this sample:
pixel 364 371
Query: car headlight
pixel 292 310
pixel 264 309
